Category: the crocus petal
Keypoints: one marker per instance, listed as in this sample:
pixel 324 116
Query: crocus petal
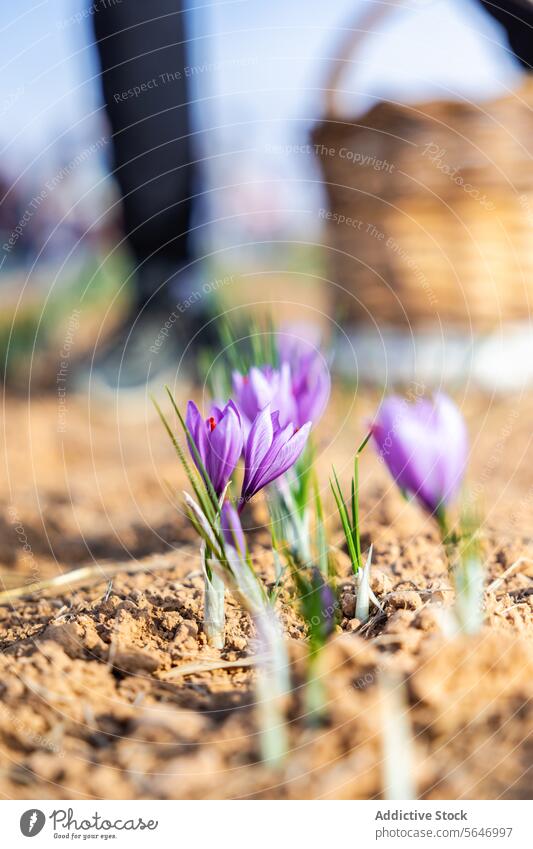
pixel 218 440
pixel 289 453
pixel 264 386
pixel 411 459
pixel 312 389
pixel 454 460
pixel 258 442
pixel 231 405
pixel 225 447
pixel 298 346
pixel 237 381
pixel 425 447
pixel 297 340
pixel 253 391
pixel 283 400
pixel 232 528
pixel 216 412
pixel 278 463
pixel 280 438
pixel 197 429
pixel 261 386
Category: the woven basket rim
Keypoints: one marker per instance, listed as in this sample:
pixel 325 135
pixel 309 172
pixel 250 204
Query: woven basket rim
pixel 422 108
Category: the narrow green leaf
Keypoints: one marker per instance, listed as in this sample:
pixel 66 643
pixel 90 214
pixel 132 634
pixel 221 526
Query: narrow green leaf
pixel 193 519
pixel 321 538
pixel 354 508
pixel 198 485
pixel 256 343
pixel 304 473
pixel 276 546
pixel 341 507
pixel 339 490
pixel 364 442
pixel 192 475
pixel 355 505
pixel 213 525
pixel 228 339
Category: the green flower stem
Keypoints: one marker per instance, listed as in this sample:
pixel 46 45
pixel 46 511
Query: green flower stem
pixel 468 579
pixel 214 615
pixel 272 686
pixel 315 692
pixel 450 540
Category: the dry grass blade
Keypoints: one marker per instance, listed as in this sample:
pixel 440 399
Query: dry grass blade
pixel 85 575
pixel 499 581
pixel 193 668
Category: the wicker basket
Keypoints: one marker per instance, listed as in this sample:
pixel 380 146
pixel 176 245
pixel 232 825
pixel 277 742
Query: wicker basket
pixel 430 207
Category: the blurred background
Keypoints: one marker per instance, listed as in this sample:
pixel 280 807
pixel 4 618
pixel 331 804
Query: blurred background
pixel 313 159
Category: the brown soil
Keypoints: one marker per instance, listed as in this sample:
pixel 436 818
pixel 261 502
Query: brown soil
pixel 97 695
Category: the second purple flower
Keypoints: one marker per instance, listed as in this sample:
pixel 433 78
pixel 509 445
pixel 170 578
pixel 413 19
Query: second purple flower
pixel 262 386
pixel 310 377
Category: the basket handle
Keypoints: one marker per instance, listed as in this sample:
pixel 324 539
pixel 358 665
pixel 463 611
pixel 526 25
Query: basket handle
pixel 353 36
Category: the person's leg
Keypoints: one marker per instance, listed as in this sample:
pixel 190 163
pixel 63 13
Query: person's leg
pixel 142 53
pixel 517 18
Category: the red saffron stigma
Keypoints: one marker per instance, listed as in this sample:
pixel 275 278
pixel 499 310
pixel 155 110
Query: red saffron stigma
pixel 212 423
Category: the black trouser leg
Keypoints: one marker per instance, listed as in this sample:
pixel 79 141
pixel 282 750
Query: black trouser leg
pixel 517 18
pixel 142 53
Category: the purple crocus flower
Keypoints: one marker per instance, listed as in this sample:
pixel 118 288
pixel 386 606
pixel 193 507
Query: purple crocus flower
pixel 298 392
pixel 310 377
pixel 232 528
pixel 270 449
pixel 311 386
pixel 218 440
pixel 296 339
pixel 425 447
pixel 262 386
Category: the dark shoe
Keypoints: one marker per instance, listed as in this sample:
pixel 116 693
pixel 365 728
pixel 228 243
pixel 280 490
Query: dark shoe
pixel 156 342
pixel 141 351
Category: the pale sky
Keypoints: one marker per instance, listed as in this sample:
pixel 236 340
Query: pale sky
pixel 48 69
pixel 269 62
